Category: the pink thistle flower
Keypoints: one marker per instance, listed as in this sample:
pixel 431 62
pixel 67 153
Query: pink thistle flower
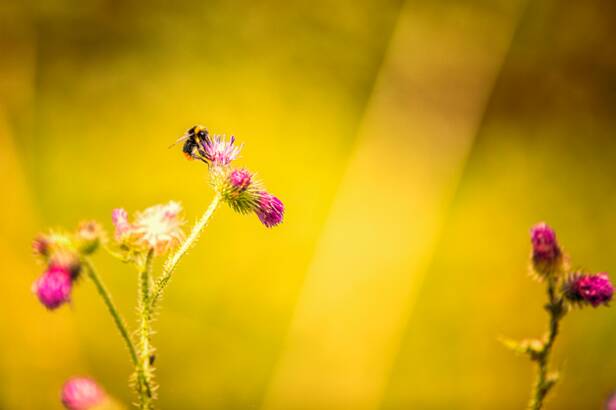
pixel 240 179
pixel 219 151
pixel 270 210
pixel 589 289
pixel 82 393
pixel 54 287
pixel 158 227
pixel 546 254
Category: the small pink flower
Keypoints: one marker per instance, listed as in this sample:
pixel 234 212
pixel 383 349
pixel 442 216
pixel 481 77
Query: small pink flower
pixel 240 179
pixel 82 393
pixel 54 287
pixel 219 151
pixel 270 210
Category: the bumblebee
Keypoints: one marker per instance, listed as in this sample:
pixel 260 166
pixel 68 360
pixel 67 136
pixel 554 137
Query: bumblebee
pixel 194 140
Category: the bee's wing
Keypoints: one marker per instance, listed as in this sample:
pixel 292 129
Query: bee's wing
pixel 181 139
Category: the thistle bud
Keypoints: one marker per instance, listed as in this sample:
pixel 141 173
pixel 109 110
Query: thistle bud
pixel 54 288
pixel 547 257
pixel 238 188
pixel 270 210
pixel 591 290
pixel 82 393
pixel 89 234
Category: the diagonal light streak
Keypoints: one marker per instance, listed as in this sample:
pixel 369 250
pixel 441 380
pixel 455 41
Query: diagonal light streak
pixel 380 236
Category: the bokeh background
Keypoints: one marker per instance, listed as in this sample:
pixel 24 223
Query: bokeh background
pixel 414 143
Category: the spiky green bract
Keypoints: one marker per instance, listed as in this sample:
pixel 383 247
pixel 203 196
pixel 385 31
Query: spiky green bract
pixel 237 187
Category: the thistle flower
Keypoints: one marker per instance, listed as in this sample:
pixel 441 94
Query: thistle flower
pixel 82 393
pixel 158 227
pixel 54 287
pixel 546 254
pixel 218 151
pixel 588 289
pixel 270 210
pixel 238 188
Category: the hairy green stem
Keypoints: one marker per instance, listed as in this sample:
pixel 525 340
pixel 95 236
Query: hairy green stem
pixel 545 381
pixel 115 314
pixel 145 374
pixel 174 259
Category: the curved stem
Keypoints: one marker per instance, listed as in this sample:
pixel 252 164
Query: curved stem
pixel 143 367
pixel 174 259
pixel 117 318
pixel 546 381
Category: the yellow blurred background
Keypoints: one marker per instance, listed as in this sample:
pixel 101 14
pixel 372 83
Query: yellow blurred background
pixel 413 143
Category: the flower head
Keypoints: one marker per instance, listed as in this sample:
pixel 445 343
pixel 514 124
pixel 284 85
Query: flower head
pixel 158 227
pixel 589 289
pixel 270 210
pixel 54 287
pixel 82 393
pixel 546 254
pixel 218 151
pixel 237 187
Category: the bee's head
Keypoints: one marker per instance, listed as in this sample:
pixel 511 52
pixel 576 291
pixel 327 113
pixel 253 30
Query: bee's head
pixel 198 131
